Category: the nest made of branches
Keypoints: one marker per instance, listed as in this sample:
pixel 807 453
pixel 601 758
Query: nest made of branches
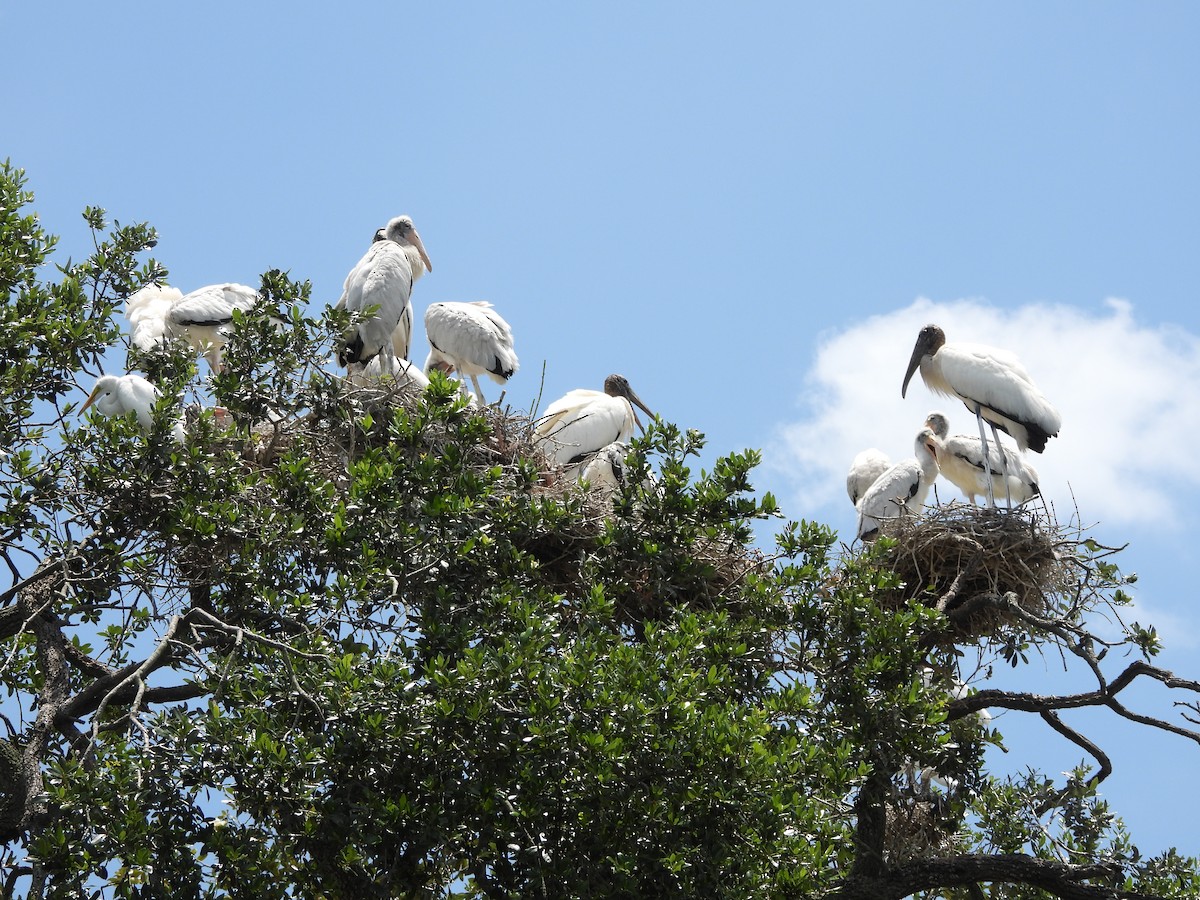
pixel 918 828
pixel 714 567
pixel 954 555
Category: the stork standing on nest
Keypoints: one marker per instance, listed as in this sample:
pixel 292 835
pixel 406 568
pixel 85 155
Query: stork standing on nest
pixel 902 488
pixel 963 464
pixel 384 279
pixel 471 339
pixel 993 385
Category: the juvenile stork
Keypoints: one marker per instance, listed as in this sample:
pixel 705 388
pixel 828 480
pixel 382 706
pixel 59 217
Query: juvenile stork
pixel 963 465
pixel 902 489
pixel 471 339
pixel 605 470
pixel 584 421
pixel 992 384
pixel 865 469
pixel 384 279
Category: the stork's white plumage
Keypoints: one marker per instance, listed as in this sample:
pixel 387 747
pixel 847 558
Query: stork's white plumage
pixel 902 489
pixel 407 375
pixel 471 339
pixel 606 469
pixel 962 464
pixel 585 421
pixel 991 383
pixel 119 395
pixel 865 471
pixel 203 318
pixel 384 279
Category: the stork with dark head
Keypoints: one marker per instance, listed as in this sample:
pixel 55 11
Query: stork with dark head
pixel 992 384
pixel 584 421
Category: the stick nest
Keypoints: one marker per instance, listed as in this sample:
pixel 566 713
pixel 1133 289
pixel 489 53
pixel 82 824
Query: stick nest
pixel 706 572
pixel 954 556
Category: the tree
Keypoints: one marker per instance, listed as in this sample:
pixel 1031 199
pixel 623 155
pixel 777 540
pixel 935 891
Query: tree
pixel 368 643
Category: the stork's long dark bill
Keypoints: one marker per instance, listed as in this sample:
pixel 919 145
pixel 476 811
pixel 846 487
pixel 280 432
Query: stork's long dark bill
pixel 913 364
pixel 636 401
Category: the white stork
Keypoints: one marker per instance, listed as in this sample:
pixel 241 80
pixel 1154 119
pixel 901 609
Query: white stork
pixel 384 279
pixel 992 384
pixel 961 462
pixel 471 339
pixel 119 395
pixel 203 318
pixel 865 469
pixel 584 421
pixel 902 488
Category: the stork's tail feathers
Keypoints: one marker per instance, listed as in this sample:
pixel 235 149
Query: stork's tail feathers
pixel 502 369
pixel 352 351
pixel 147 311
pixel 1038 438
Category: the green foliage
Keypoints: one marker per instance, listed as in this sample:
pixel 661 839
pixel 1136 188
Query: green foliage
pixel 360 644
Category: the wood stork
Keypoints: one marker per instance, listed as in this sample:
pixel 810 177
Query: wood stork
pixel 203 318
pixel 992 384
pixel 961 462
pixel 119 395
pixel 605 470
pixel 864 471
pixel 384 279
pixel 902 488
pixel 471 339
pixel 585 421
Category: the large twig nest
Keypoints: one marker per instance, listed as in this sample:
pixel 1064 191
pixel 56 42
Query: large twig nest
pixel 955 554
pixel 917 828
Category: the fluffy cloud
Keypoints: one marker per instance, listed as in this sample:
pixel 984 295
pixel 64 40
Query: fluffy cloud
pixel 1129 394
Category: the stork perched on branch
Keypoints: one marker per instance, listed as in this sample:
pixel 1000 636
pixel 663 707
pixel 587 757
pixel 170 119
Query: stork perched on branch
pixel 203 318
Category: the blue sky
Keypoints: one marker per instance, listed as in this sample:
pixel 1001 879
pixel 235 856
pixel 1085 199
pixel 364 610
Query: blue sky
pixel 749 211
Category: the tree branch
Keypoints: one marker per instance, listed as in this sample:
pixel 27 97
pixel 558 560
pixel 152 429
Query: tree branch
pixel 1056 878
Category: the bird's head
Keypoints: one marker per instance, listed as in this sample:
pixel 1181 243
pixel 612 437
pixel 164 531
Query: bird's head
pixel 938 424
pixel 928 342
pixel 928 441
pixel 402 231
pixel 618 386
pixel 104 396
pixel 436 361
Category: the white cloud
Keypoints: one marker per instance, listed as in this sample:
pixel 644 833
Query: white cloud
pixel 1129 395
